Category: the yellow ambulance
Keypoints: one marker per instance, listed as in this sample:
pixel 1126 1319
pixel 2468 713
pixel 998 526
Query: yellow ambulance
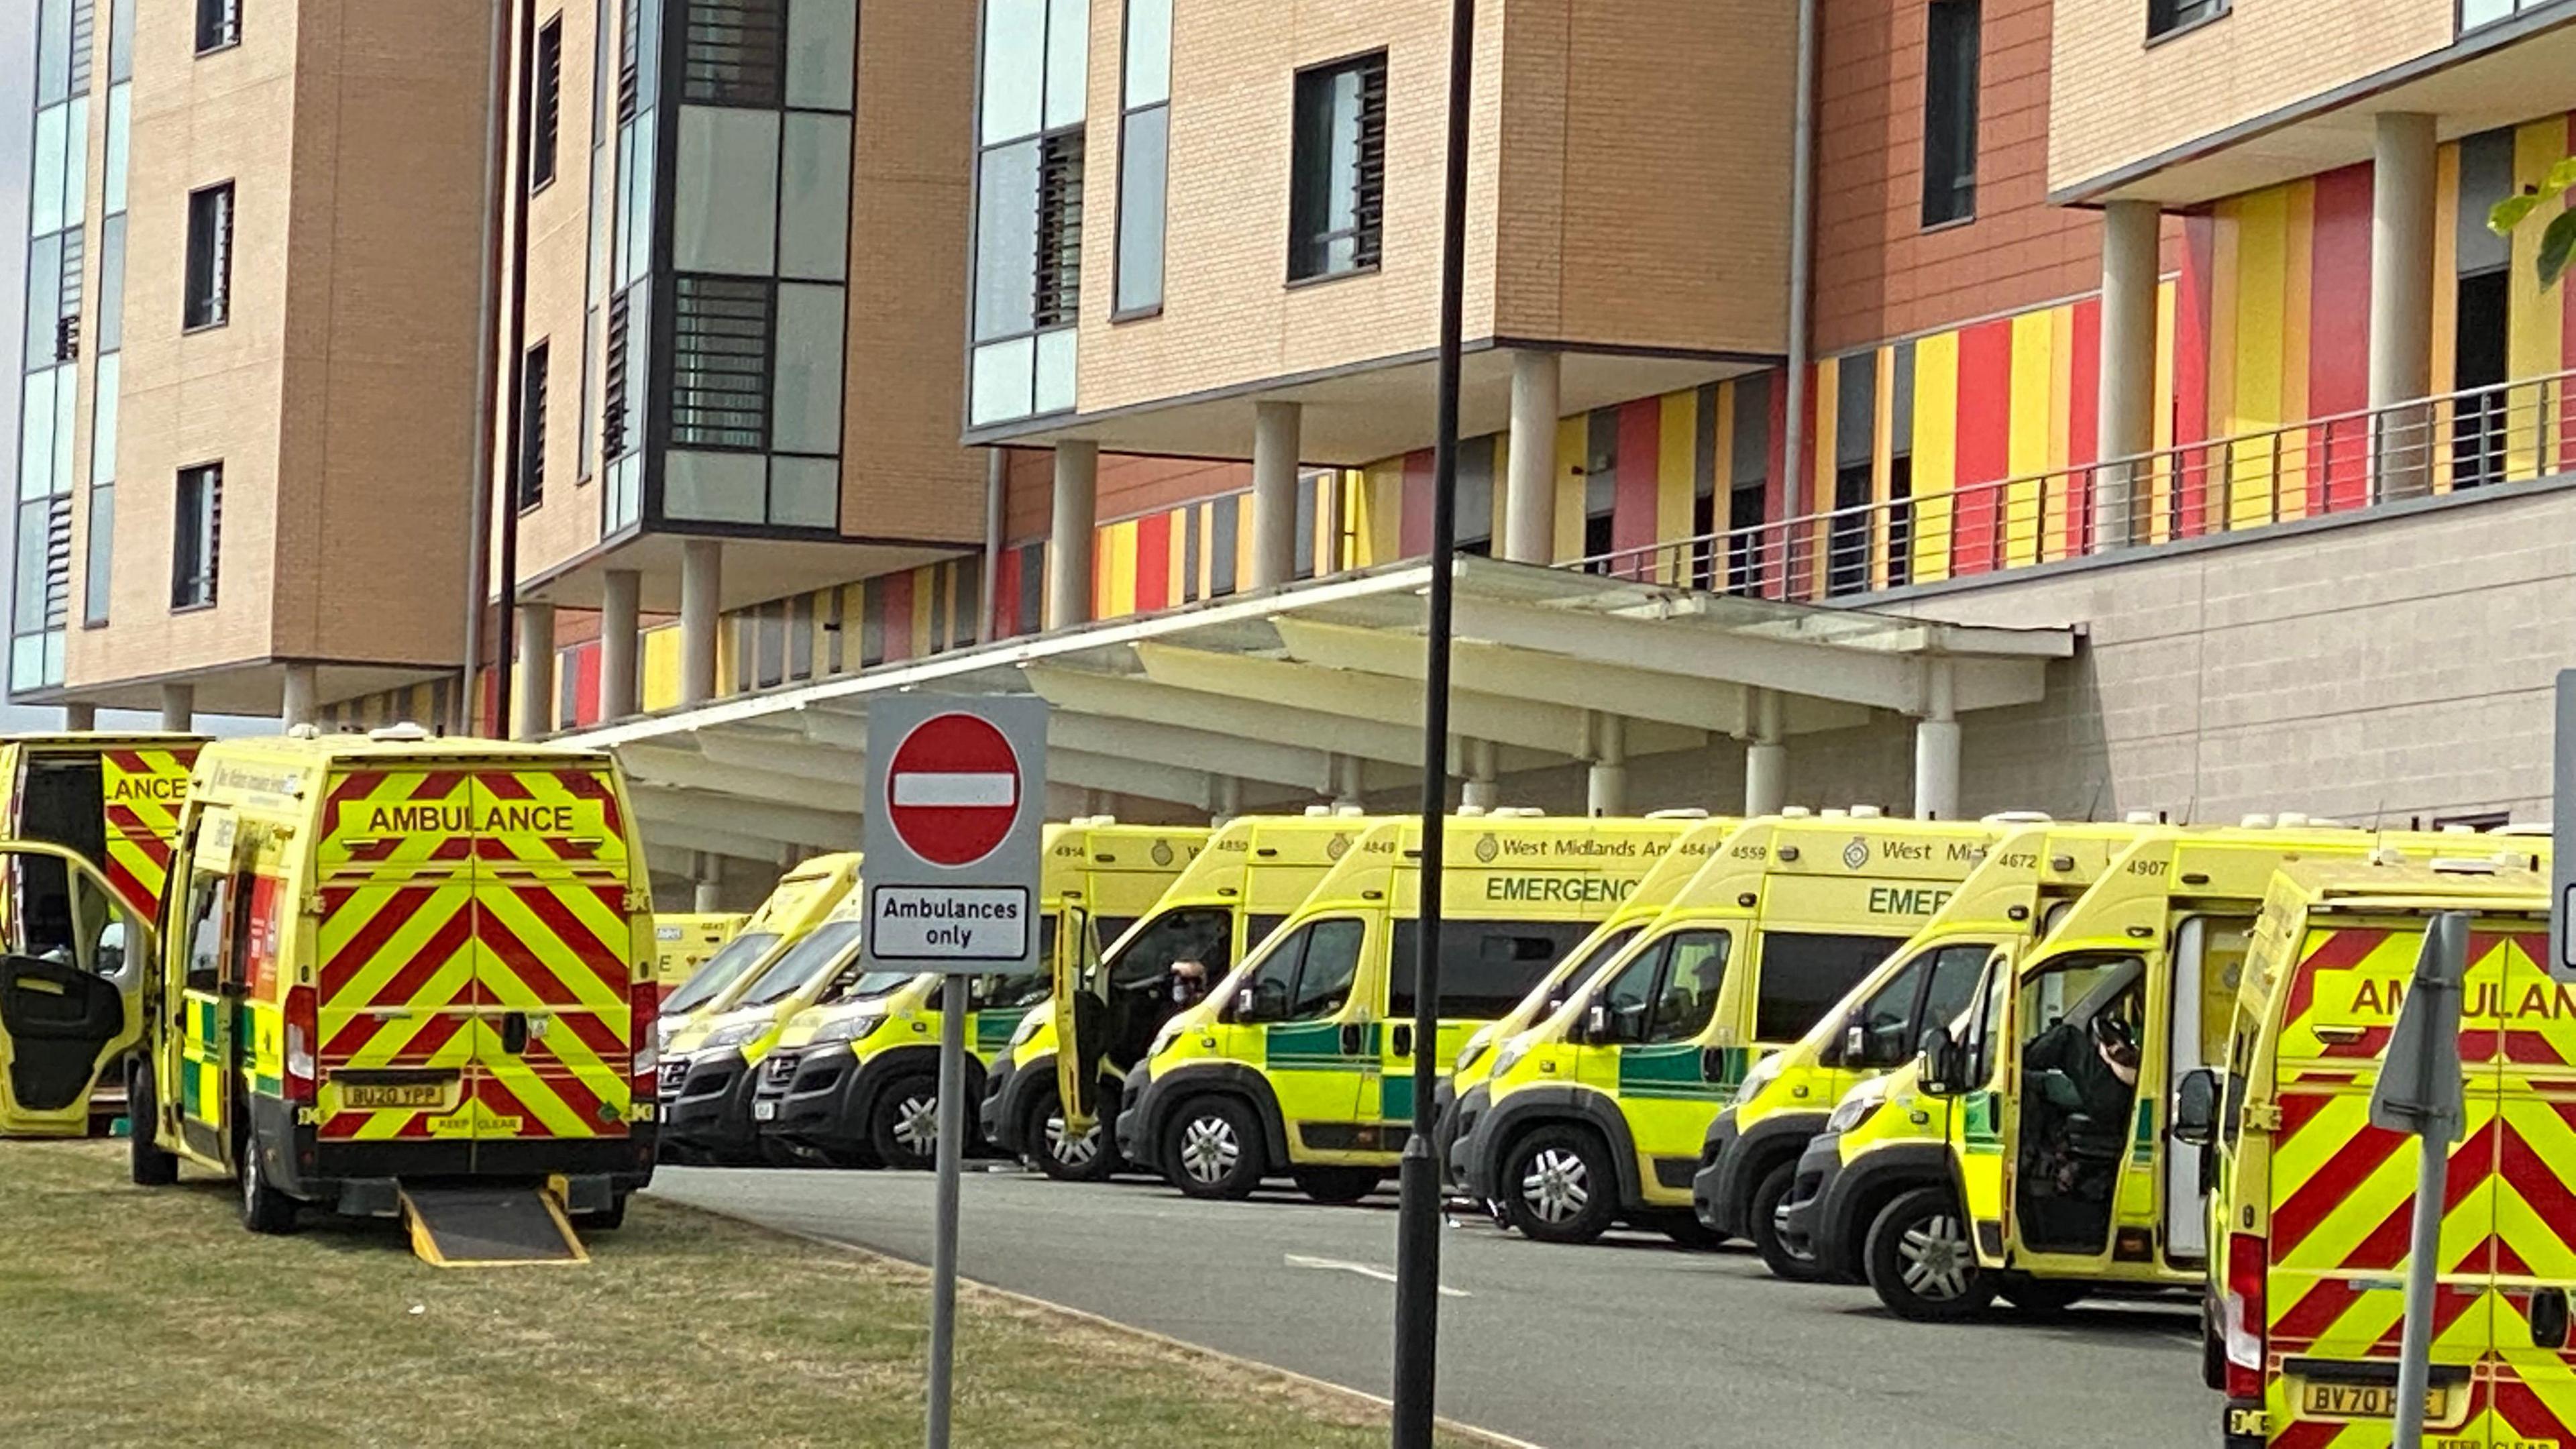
pixel 1599 1112
pixel 76 955
pixel 1748 1171
pixel 391 962
pixel 710 1065
pixel 2311 1205
pixel 2004 1162
pixel 684 942
pixel 854 1081
pixel 1301 1062
pixel 803 897
pixel 111 798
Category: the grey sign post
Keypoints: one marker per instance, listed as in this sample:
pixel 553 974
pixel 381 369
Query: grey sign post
pixel 956 802
pixel 2562 812
pixel 2419 1093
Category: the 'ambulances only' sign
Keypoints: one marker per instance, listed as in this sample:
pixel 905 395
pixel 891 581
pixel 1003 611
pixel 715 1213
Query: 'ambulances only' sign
pixel 955 803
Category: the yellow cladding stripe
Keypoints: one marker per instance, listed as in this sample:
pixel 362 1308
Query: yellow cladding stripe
pixel 1936 453
pixel 1573 441
pixel 1676 477
pixel 2026 436
pixel 2537 318
pixel 1882 464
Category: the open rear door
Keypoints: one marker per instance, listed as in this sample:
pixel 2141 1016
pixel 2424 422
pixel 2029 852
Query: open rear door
pixel 1081 1025
pixel 71 973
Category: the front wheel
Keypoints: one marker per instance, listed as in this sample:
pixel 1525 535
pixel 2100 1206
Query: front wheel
pixel 903 1126
pixel 264 1209
pixel 1066 1156
pixel 1212 1148
pixel 1791 1263
pixel 147 1163
pixel 1337 1184
pixel 1559 1185
pixel 1920 1260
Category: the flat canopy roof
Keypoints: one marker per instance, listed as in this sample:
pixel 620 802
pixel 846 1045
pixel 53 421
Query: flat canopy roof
pixel 1288 696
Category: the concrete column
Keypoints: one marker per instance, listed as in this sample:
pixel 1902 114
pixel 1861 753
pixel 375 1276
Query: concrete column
pixel 536 707
pixel 80 717
pixel 179 707
pixel 2401 302
pixel 1229 799
pixel 1077 511
pixel 1529 498
pixel 709 892
pixel 1766 755
pixel 701 600
pixel 1348 791
pixel 1483 790
pixel 1936 746
pixel 621 596
pixel 295 702
pixel 1606 786
pixel 1276 430
pixel 2127 392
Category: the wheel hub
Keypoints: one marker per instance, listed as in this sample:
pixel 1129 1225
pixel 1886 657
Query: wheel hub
pixel 1071 1150
pixel 1208 1148
pixel 1935 1255
pixel 916 1124
pixel 1557 1186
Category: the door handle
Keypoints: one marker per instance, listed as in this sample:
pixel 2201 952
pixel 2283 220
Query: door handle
pixel 2549 1318
pixel 1403 1040
pixel 1351 1039
pixel 514 1032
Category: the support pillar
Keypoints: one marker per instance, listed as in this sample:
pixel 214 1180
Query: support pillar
pixel 1276 437
pixel 1229 799
pixel 1348 791
pixel 1077 512
pixel 1483 790
pixel 1606 785
pixel 179 707
pixel 295 697
pixel 1936 746
pixel 1766 755
pixel 80 717
pixel 535 715
pixel 708 896
pixel 701 599
pixel 1529 498
pixel 2127 390
pixel 2401 303
pixel 621 594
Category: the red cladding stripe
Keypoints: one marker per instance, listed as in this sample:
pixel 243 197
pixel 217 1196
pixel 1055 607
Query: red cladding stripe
pixel 2083 418
pixel 503 1102
pixel 1984 441
pixel 2339 339
pixel 2312 1315
pixel 2298 1109
pixel 1153 562
pixel 2538 1184
pixel 1641 434
pixel 2339 951
pixel 1413 515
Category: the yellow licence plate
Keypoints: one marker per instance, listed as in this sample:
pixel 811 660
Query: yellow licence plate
pixel 423 1094
pixel 2366 1401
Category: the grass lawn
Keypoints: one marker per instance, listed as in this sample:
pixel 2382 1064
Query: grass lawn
pixel 148 1316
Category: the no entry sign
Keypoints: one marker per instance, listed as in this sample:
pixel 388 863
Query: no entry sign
pixel 954 804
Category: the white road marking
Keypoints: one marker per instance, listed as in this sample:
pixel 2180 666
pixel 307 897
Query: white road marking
pixel 1336 1265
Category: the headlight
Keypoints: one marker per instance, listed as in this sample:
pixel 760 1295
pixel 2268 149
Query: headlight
pixel 849 1028
pixel 1511 1056
pixel 1857 1108
pixel 1027 1028
pixel 1475 1048
pixel 734 1036
pixel 1163 1039
pixel 1764 1073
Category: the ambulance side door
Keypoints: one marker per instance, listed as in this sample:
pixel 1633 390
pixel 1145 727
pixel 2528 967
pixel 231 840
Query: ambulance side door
pixel 209 990
pixel 68 996
pixel 1302 1018
pixel 1648 1035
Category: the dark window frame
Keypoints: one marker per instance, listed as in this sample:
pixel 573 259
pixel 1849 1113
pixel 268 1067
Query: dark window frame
pixel 1129 113
pixel 206 294
pixel 2169 18
pixel 1309 243
pixel 548 118
pixel 535 383
pixel 1953 76
pixel 219 26
pixel 197 536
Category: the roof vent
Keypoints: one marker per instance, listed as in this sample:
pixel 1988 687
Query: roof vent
pixel 404 733
pixel 2019 817
pixel 1795 812
pixel 1319 812
pixel 304 732
pixel 2143 817
pixel 1832 813
pixel 1518 812
pixel 2292 820
pixel 1350 812
pixel 1866 812
pixel 2256 822
pixel 1693 813
pixel 1470 812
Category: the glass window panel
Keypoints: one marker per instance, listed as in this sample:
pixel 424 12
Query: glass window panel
pixel 636 224
pixel 111 284
pixel 97 573
pixel 1054 390
pixel 44 298
pixel 814 199
pixel 822 49
pixel 28 609
pixel 2474 13
pixel 727 204
pixel 120 121
pixel 75 200
pixel 805 492
pixel 120 42
pixel 805 408
pixel 102 421
pixel 53 50
pixel 66 395
pixel 45 186
pixel 54 652
pixel 1014 68
pixel 1068 60
pixel 27 662
pixel 36 442
pixel 1006 241
pixel 719 487
pixel 1003 372
pixel 1149 52
pixel 1141 162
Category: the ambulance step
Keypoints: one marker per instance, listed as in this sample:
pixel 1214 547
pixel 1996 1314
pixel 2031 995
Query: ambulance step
pixel 489 1227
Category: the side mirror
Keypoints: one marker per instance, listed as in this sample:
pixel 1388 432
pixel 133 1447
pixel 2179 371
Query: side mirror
pixel 2195 1108
pixel 1855 1044
pixel 1596 1023
pixel 1942 1066
pixel 1243 1004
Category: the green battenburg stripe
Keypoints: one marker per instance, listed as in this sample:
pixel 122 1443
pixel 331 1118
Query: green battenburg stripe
pixel 1681 1072
pixel 992 1029
pixel 1395 1099
pixel 1981 1135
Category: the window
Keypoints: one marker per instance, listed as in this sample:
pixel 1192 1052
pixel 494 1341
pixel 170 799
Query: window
pixel 2164 17
pixel 1028 209
pixel 1804 974
pixel 720 363
pixel 197 536
pixel 1931 989
pixel 549 117
pixel 1578 973
pixel 734 53
pixel 1668 991
pixel 1059 278
pixel 1847 547
pixel 218 24
pixel 1486 967
pixel 532 428
pixel 1950 112
pixel 613 441
pixel 210 257
pixel 1309 976
pixel 209 911
pixel 1144 139
pixel 1337 169
pixel 1204 934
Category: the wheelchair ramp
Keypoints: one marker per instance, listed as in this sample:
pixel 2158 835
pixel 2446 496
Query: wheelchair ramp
pixel 489 1227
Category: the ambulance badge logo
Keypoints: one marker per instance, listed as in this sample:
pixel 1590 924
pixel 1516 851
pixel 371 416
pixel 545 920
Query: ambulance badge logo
pixel 1486 849
pixel 1162 852
pixel 1856 854
pixel 1335 847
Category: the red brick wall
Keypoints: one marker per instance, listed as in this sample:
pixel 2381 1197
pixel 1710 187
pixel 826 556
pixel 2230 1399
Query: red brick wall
pixel 1128 486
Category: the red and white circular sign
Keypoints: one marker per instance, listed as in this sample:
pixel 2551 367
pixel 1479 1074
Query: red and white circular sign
pixel 953 789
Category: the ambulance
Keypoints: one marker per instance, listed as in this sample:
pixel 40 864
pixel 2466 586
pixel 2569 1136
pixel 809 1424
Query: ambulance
pixel 682 943
pixel 1301 1063
pixel 1598 1114
pixel 392 965
pixel 710 1064
pixel 2311 1205
pixel 2023 1155
pixel 1253 872
pixel 853 1081
pixel 1748 1166
pixel 803 897
pixel 71 978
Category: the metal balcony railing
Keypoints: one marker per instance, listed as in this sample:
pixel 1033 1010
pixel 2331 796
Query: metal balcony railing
pixel 2346 463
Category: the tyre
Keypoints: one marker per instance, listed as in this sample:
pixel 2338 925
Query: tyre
pixel 778 1154
pixel 2213 1354
pixel 903 1126
pixel 146 1162
pixel 1687 1231
pixel 1212 1148
pixel 1337 1184
pixel 2042 1297
pixel 264 1209
pixel 1090 1157
pixel 1559 1185
pixel 1762 1225
pixel 604 1222
pixel 1920 1260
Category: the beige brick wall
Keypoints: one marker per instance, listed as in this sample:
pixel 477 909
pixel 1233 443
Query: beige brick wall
pixel 566 521
pixel 2115 100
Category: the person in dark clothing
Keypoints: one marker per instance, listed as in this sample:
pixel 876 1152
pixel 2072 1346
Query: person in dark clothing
pixel 2079 1084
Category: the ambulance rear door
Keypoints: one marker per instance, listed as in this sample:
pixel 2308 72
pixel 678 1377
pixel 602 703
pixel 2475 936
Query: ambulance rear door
pixel 71 974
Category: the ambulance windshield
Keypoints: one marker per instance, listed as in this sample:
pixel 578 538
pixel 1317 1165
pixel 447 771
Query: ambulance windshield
pixel 722 970
pixel 804 963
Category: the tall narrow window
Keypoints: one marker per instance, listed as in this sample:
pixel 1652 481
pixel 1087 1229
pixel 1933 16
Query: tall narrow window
pixel 2164 17
pixel 720 363
pixel 1144 142
pixel 549 119
pixel 197 536
pixel 734 52
pixel 1059 279
pixel 532 428
pixel 210 257
pixel 1337 169
pixel 218 24
pixel 1028 209
pixel 1950 111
